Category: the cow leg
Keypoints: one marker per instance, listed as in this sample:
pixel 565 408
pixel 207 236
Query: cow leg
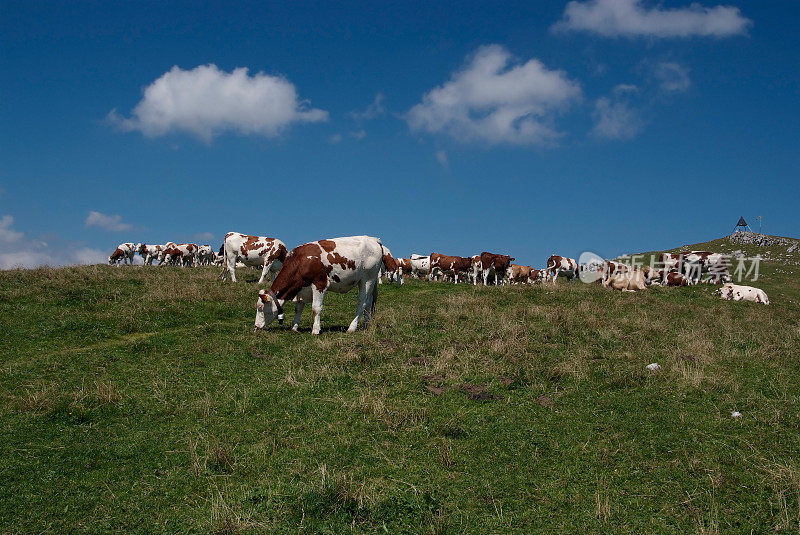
pixel 264 270
pixel 230 269
pixel 298 310
pixel 365 294
pixel 317 297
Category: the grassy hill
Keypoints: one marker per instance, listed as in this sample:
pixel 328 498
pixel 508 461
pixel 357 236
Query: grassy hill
pixel 139 400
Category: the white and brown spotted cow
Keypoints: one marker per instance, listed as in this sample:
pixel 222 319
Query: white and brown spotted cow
pixel 561 264
pixel 420 265
pixel 390 268
pixel 519 274
pixel 182 254
pixel 150 252
pixel 205 255
pixel 252 251
pixel 737 292
pixel 449 265
pixel 491 264
pixel 123 253
pixel 659 277
pixel 313 269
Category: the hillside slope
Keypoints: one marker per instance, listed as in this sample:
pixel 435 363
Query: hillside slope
pixel 139 399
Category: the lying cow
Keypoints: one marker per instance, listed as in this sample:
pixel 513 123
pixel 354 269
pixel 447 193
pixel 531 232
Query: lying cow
pixel 123 253
pixel 269 253
pixel 736 292
pixel 659 277
pixel 449 265
pixel 627 282
pixel 561 264
pixel 311 270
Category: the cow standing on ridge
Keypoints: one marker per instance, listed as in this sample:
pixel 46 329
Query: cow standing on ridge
pixel 252 251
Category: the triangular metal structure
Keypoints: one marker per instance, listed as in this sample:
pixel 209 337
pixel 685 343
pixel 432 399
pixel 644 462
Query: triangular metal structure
pixel 742 225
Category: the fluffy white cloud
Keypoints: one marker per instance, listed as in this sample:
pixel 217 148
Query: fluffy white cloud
pixel 492 101
pixel 8 234
pixel 113 223
pixel 18 250
pixel 206 101
pixel 631 18
pixel 615 118
pixel 672 77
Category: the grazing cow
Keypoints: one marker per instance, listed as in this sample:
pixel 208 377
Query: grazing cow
pixel 182 254
pixel 390 267
pixel 404 266
pixel 420 265
pixel 737 292
pixel 627 282
pixel 205 255
pixel 492 264
pixel 123 253
pixel 449 265
pixel 561 264
pixel 150 253
pixel 517 274
pixel 311 270
pixel 252 251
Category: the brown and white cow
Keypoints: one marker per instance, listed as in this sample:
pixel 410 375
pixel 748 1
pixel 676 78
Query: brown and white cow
pixel 449 265
pixel 627 282
pixel 420 265
pixel 252 251
pixel 123 253
pixel 520 274
pixel 694 263
pixel 492 264
pixel 150 253
pixel 391 268
pixel 561 264
pixel 659 277
pixel 205 255
pixel 404 265
pixel 182 254
pixel 737 292
pixel 313 269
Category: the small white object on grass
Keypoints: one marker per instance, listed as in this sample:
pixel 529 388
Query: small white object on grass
pixel 736 414
pixel 654 366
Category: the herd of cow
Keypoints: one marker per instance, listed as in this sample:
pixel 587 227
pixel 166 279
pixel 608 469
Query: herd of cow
pixel 308 271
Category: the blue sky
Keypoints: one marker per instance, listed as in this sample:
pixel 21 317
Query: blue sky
pixel 528 127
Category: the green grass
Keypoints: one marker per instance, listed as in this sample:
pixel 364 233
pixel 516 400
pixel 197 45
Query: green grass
pixel 139 400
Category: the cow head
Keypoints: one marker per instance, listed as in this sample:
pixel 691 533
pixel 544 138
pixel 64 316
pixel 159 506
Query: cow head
pixel 267 309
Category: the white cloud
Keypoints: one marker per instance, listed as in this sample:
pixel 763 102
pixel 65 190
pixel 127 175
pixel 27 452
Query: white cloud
pixel 631 18
pixel 206 101
pixel 203 237
pixel 441 157
pixel 623 89
pixel 615 119
pixel 335 139
pixel 18 250
pixel 374 110
pixel 672 77
pixel 7 234
pixel 491 101
pixel 108 222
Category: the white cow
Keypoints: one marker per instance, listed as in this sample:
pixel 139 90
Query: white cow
pixel 312 269
pixel 183 254
pixel 150 252
pixel 736 292
pixel 205 255
pixel 252 251
pixel 123 253
pixel 420 265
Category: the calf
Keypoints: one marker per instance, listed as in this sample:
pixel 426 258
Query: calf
pixel 445 264
pixel 252 251
pixel 737 292
pixel 123 253
pixel 311 270
pixel 561 264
